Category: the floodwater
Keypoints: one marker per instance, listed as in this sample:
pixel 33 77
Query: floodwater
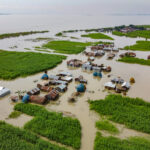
pixel 95 87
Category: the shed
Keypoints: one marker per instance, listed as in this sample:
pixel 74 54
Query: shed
pixel 61 88
pixel 110 85
pixel 53 77
pixel 67 79
pixel 107 49
pixel 87 66
pixel 65 74
pixel 52 95
pixel 37 99
pixel 96 69
pixel 4 91
pixel 117 80
pixel 126 85
pixel 34 91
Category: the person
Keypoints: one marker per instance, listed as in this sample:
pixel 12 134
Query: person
pixel 45 76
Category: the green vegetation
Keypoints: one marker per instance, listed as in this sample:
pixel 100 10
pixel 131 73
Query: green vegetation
pixel 25 63
pixel 106 125
pixel 97 36
pixel 118 33
pixel 10 35
pixel 27 49
pixel 132 112
pixel 132 60
pixel 70 31
pixel 52 125
pixel 59 34
pixel 72 37
pixel 112 143
pixel 42 50
pixel 14 114
pixel 134 34
pixel 12 138
pixel 69 47
pixel 139 46
pixel 92 30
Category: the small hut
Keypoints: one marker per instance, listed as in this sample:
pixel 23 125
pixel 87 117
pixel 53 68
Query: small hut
pixel 81 88
pixel 26 98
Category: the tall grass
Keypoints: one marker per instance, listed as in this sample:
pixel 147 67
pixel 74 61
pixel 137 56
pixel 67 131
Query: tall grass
pixel 112 143
pixel 69 47
pixel 134 34
pixel 12 138
pixel 10 35
pixel 107 126
pixel 139 46
pixel 52 125
pixel 132 112
pixel 132 60
pixel 20 64
pixel 97 36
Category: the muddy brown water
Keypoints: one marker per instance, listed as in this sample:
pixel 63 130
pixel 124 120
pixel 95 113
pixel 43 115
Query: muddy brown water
pixel 95 90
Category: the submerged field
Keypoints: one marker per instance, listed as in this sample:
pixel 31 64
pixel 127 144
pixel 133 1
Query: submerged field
pixel 10 35
pixel 20 64
pixel 68 47
pixel 12 138
pixel 132 112
pixel 134 34
pixel 97 36
pixel 52 125
pixel 139 46
pixel 132 60
pixel 112 143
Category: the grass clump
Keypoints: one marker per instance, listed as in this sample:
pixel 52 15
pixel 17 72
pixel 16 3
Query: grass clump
pixel 10 35
pixel 132 60
pixel 118 33
pixel 21 64
pixel 52 125
pixel 113 143
pixel 15 114
pixel 139 46
pixel 132 112
pixel 59 34
pixel 97 36
pixel 106 125
pixel 12 138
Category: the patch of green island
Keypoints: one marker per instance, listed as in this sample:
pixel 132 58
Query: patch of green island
pixel 12 138
pixel 52 125
pixel 21 64
pixel 97 36
pixel 10 35
pixel 134 34
pixel 42 50
pixel 133 60
pixel 113 143
pixel 132 112
pixel 139 46
pixel 107 126
pixel 68 47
